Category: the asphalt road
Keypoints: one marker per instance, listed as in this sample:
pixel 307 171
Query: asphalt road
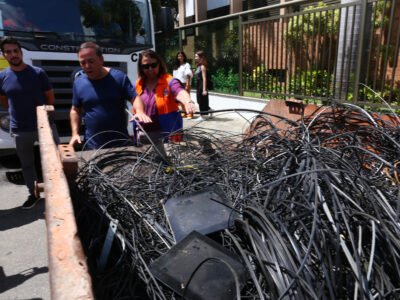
pixel 24 272
pixel 23 245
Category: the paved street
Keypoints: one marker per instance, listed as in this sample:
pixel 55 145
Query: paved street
pixel 23 244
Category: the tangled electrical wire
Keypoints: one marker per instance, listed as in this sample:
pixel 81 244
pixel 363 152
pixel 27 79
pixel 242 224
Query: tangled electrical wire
pixel 318 199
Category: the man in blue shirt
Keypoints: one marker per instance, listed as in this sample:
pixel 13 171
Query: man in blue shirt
pixel 100 95
pixel 22 89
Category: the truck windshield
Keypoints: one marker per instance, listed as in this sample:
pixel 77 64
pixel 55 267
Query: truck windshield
pixel 117 22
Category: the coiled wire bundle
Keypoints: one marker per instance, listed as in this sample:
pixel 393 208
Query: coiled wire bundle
pixel 318 201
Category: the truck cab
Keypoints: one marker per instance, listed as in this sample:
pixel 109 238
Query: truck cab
pixel 50 32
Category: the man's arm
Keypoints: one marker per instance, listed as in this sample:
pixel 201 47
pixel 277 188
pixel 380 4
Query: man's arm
pixel 74 116
pixel 49 97
pixel 4 101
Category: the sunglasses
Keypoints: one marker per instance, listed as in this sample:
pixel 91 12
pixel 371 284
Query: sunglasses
pixel 147 66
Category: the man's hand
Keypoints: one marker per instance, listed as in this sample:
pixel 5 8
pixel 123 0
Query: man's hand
pixel 75 139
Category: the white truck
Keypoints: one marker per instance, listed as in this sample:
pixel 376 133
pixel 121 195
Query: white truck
pixel 50 32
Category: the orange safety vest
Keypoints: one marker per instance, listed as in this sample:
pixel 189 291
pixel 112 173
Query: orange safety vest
pixel 165 101
pixel 167 107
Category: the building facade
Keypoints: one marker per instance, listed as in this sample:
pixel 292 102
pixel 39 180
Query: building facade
pixel 333 49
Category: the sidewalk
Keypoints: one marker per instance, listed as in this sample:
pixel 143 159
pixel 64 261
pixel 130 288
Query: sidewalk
pixel 235 122
pixel 24 270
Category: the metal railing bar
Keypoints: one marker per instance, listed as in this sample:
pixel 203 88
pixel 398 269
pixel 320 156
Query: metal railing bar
pixel 371 38
pixel 343 53
pixel 363 15
pixel 288 59
pixel 298 51
pixel 352 62
pixel 273 54
pixel 319 51
pixel 282 23
pixel 378 50
pixel 395 62
pixel 300 13
pixel 258 70
pixel 248 12
pixel 309 47
pixel 241 52
pixel 386 56
pixel 330 49
pixel 335 69
pixel 265 51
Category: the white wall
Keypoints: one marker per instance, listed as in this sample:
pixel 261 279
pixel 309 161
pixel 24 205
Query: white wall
pixel 189 8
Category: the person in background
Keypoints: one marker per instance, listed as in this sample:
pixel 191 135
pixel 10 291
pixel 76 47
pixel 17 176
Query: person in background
pixel 100 94
pixel 161 94
pixel 201 77
pixel 183 72
pixel 22 89
pixel 140 37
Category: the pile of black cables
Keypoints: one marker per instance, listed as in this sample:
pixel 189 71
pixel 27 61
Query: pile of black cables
pixel 319 201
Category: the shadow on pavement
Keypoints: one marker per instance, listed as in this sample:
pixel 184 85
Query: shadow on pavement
pixel 15 177
pixel 10 162
pixel 9 282
pixel 16 217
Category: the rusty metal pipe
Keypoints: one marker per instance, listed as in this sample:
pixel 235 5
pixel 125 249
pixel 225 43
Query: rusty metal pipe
pixel 69 277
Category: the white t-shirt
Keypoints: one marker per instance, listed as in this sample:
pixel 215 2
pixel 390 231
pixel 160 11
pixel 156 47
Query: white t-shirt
pixel 183 72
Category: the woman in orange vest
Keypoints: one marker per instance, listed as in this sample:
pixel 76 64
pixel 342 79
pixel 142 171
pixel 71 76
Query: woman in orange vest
pixel 161 94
